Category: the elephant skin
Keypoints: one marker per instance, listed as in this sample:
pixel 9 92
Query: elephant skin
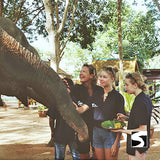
pixel 15 89
pixel 22 69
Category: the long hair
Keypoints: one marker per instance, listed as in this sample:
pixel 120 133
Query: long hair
pixel 136 77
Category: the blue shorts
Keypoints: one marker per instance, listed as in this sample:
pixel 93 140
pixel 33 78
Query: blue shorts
pixel 103 138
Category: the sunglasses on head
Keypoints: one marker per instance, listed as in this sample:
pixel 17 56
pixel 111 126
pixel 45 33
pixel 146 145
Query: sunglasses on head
pixel 108 68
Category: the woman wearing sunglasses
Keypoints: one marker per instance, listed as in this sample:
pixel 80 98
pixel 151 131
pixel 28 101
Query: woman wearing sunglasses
pixel 105 142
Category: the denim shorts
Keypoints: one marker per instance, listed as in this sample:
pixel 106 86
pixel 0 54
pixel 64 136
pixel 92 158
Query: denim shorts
pixel 103 138
pixel 61 148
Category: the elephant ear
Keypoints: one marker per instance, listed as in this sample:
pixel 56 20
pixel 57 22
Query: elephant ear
pixel 27 69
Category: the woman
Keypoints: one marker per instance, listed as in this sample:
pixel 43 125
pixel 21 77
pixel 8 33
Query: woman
pixel 105 142
pixel 86 95
pixel 140 115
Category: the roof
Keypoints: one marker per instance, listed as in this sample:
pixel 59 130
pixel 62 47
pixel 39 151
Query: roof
pixel 152 74
pixel 129 65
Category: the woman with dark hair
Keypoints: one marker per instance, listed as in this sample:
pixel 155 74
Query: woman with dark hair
pixel 86 97
pixel 140 115
pixel 105 142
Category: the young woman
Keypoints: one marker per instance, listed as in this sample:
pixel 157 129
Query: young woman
pixel 105 142
pixel 140 115
pixel 86 95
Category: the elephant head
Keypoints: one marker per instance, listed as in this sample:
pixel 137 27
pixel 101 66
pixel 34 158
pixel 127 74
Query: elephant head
pixel 21 69
pixel 14 89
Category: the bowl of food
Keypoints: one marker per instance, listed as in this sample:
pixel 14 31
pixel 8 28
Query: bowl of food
pixel 113 124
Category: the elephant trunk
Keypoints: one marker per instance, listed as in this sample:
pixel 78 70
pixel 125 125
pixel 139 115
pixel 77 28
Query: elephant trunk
pixel 30 70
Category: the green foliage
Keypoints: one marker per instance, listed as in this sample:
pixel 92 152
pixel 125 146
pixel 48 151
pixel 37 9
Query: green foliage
pixel 152 63
pixel 112 124
pixel 88 20
pixel 28 15
pixel 140 36
pixel 74 58
pixel 94 27
pixel 129 99
pixel 42 108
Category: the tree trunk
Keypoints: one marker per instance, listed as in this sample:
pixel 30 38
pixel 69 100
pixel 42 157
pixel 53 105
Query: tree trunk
pixel 1 8
pixel 55 31
pixel 52 34
pixel 157 4
pixel 120 48
pixel 54 49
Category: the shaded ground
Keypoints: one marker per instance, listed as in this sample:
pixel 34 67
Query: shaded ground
pixel 24 135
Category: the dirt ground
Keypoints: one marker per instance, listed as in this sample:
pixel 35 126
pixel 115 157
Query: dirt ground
pixel 24 135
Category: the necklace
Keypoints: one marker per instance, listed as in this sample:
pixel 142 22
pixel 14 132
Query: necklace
pixel 105 96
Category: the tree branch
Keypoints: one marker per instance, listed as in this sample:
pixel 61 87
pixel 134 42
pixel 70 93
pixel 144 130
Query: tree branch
pixel 70 27
pixel 6 6
pixel 37 9
pixel 19 12
pixel 64 17
pixel 32 19
pixel 56 8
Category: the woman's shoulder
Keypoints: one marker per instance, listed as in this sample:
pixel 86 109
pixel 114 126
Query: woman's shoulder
pixel 77 86
pixel 116 92
pixel 99 89
pixel 144 100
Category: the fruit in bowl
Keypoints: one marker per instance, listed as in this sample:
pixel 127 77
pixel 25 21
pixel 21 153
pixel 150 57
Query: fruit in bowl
pixel 112 124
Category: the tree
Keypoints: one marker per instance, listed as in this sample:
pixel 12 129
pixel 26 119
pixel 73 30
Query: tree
pixel 157 4
pixel 140 36
pixel 1 7
pixel 79 57
pixel 54 29
pixel 120 47
pixel 27 14
pixel 88 20
pixel 91 17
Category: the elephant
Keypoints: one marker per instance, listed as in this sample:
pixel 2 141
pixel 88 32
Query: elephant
pixel 18 90
pixel 23 73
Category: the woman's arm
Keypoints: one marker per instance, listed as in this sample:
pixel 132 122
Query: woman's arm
pixel 51 124
pixel 115 146
pixel 122 117
pixel 129 131
pixel 81 109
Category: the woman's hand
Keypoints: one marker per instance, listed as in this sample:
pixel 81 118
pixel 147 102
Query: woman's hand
pixel 114 150
pixel 118 130
pixel 121 117
pixel 81 109
pixel 65 82
pixel 75 105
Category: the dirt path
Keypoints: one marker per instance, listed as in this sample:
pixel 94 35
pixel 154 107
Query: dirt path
pixel 24 135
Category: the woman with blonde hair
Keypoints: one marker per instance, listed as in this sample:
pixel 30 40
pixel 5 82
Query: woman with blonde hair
pixel 140 115
pixel 86 96
pixel 105 142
